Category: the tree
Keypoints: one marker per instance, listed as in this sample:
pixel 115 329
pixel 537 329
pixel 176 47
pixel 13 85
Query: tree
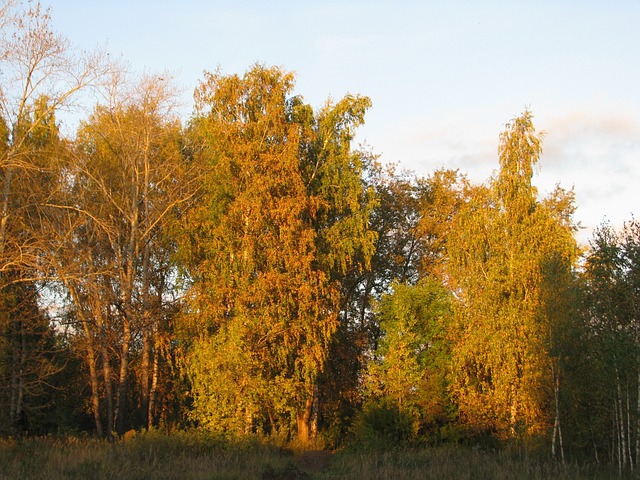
pixel 40 76
pixel 408 369
pixel 396 257
pixel 29 338
pixel 126 181
pixel 37 64
pixel 284 215
pixel 612 329
pixel 443 195
pixel 503 248
pixel 27 361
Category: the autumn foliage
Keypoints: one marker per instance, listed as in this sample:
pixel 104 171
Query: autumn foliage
pixel 250 271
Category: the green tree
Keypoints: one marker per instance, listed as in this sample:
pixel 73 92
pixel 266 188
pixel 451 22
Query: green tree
pixel 396 258
pixel 28 362
pixel 408 369
pixel 612 329
pixel 501 250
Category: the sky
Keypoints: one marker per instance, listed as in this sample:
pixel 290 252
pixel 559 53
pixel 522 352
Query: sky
pixel 444 77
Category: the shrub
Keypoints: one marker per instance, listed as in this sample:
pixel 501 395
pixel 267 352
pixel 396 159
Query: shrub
pixel 382 426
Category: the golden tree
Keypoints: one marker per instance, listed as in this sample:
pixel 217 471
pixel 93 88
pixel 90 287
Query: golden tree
pixel 283 214
pixel 127 181
pixel 506 250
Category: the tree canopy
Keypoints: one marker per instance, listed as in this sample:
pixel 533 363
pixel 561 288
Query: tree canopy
pixel 251 271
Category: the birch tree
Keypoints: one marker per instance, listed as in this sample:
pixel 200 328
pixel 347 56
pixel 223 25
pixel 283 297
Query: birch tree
pixel 500 248
pixel 284 214
pixel 37 63
pixel 612 299
pixel 41 75
pixel 128 180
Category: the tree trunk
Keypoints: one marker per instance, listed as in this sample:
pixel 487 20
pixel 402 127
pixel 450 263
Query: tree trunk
pixel 91 358
pixel 315 411
pixel 106 371
pixel 127 282
pixel 629 432
pixel 154 388
pixel 17 376
pixel 95 396
pixel 595 447
pixel 121 402
pixel 621 423
pixel 145 367
pixel 617 442
pixel 5 208
pixel 557 429
pixel 638 419
pixel 147 326
pixel 303 421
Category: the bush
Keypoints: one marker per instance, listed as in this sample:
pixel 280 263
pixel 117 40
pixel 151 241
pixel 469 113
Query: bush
pixel 382 426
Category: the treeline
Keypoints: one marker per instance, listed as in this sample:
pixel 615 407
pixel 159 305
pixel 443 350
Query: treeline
pixel 251 272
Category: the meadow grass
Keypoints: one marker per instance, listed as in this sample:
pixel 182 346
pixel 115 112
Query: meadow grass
pixel 460 464
pixel 194 455
pixel 150 456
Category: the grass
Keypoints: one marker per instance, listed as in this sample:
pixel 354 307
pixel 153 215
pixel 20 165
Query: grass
pixel 459 464
pixel 199 456
pixel 151 456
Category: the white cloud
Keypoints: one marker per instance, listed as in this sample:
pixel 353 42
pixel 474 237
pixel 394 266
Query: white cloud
pixel 597 151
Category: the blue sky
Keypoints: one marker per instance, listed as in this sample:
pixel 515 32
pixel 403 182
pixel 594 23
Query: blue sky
pixel 444 76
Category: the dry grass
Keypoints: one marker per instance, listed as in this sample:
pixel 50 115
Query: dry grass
pixel 200 456
pixel 459 464
pixel 150 456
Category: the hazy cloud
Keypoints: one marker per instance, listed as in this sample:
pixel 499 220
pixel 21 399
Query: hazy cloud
pixel 597 152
